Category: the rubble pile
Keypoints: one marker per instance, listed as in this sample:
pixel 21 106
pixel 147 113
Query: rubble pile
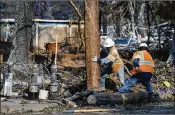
pixel 71 60
pixel 64 85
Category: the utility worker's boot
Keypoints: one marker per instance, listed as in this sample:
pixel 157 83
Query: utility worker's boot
pixel 151 97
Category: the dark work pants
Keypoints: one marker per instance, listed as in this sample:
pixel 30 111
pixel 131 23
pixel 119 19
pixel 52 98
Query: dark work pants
pixel 143 77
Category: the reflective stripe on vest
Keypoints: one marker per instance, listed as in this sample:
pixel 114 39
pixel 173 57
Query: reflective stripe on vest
pixel 115 58
pixel 111 58
pixel 146 63
pixel 141 55
pixel 117 61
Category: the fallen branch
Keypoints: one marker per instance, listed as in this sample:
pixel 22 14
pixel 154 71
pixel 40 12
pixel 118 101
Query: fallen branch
pixel 80 95
pixel 65 102
pixel 55 101
pixel 79 22
pixel 75 8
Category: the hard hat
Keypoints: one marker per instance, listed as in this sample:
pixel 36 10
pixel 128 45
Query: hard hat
pixel 143 45
pixel 108 42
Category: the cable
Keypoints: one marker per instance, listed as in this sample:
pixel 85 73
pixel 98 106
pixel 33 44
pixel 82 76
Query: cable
pixel 127 70
pixel 47 70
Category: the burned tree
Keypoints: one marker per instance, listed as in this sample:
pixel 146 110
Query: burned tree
pixel 92 43
pixel 79 23
pixel 22 34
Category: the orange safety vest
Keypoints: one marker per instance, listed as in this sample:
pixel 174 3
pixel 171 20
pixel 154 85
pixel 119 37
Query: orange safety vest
pixel 115 58
pixel 146 63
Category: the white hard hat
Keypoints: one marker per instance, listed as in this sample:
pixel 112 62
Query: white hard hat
pixel 143 45
pixel 108 42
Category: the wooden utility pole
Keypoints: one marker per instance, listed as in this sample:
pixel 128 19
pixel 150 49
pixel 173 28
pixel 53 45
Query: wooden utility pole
pixel 92 43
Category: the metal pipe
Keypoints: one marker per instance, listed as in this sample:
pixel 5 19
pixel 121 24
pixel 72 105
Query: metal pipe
pixel 41 72
pixel 1 76
pixel 33 87
pixel 54 81
pixel 7 91
pixel 54 69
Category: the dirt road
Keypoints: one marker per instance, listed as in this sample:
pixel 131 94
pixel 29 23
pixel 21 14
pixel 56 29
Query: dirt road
pixel 152 108
pixel 34 107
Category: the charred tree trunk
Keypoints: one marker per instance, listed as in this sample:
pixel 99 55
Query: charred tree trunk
pixel 140 19
pixel 120 24
pixel 116 98
pixel 100 20
pixel 79 24
pixel 139 13
pixel 104 23
pixel 92 42
pixel 23 34
pixel 132 7
pixel 148 21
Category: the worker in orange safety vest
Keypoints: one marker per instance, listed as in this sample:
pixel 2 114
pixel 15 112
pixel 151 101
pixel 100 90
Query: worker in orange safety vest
pixel 142 70
pixel 115 66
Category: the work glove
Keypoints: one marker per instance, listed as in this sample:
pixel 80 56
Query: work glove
pixel 137 69
pixel 96 59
